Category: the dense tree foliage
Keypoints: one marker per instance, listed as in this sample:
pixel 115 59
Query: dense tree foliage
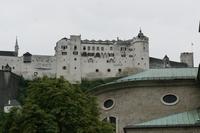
pixel 55 106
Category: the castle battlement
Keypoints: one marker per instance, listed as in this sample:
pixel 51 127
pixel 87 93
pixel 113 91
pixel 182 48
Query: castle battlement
pixel 76 59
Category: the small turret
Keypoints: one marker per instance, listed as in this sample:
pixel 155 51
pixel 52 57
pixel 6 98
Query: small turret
pixel 16 47
pixel 166 62
pixel 187 57
pixel 140 44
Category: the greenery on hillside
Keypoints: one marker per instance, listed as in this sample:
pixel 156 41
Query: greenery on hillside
pixel 54 106
pixel 87 84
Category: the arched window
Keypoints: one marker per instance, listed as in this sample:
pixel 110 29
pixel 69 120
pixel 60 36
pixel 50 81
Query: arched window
pixel 112 120
pixel 84 54
pixel 98 55
pixel 90 60
pixel 75 47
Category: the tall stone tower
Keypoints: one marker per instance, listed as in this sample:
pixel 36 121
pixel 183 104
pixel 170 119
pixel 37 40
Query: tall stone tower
pixel 187 57
pixel 140 46
pixel 16 47
pixel 67 53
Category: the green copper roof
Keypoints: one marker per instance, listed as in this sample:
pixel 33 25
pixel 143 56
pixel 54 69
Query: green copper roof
pixel 163 74
pixel 185 118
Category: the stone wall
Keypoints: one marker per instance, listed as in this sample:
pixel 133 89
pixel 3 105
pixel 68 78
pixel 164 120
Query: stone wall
pixel 9 85
pixel 140 101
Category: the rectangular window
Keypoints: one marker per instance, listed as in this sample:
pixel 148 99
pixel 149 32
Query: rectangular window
pixel 93 48
pixel 88 48
pixel 64 53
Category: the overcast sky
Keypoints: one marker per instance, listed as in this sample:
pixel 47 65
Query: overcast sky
pixel 171 25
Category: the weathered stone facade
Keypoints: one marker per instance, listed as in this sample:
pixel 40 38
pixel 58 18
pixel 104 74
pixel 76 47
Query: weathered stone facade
pixel 76 59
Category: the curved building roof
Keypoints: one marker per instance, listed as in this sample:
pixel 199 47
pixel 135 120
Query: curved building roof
pixel 154 74
pixel 163 74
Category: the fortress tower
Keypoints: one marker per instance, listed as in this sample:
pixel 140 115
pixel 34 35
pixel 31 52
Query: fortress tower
pixel 187 57
pixel 67 53
pixel 140 46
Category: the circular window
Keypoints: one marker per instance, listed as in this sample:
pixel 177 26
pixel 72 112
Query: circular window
pixel 108 104
pixel 170 99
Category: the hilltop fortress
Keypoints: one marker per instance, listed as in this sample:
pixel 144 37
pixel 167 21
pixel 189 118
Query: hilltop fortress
pixel 77 59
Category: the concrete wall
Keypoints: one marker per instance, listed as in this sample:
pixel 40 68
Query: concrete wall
pixel 137 102
pixel 9 85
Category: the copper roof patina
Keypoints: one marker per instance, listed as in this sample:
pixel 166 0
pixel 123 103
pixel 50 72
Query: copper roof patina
pixel 163 74
pixel 180 119
pixel 153 74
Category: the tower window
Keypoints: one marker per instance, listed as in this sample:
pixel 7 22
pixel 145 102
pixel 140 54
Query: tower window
pixel 138 64
pixel 93 48
pixel 142 58
pixel 119 70
pixel 75 47
pixel 88 48
pixel 102 48
pixel 64 68
pixel 108 70
pixel 84 48
pixel 75 59
pixel 97 48
pixel 75 53
pixel 64 53
pixel 75 68
pixel 97 70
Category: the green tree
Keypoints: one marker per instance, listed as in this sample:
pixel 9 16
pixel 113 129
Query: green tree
pixel 58 103
pixel 29 119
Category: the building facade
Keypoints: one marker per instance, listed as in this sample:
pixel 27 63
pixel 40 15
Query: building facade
pixel 153 101
pixel 77 59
